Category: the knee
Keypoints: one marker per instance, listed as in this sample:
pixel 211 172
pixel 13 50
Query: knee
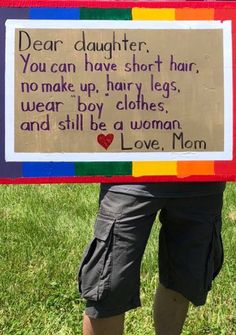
pixel 171 295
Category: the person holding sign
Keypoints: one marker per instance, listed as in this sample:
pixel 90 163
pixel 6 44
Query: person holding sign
pixel 190 253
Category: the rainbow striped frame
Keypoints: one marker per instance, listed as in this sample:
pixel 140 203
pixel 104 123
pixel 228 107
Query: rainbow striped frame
pixel 116 172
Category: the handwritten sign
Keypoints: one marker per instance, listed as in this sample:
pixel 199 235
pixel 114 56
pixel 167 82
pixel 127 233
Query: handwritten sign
pixel 116 91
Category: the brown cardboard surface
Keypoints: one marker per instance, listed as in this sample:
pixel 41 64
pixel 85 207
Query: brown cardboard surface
pixel 166 83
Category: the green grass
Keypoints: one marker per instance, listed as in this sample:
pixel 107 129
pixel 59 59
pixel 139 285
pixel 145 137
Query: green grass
pixel 43 232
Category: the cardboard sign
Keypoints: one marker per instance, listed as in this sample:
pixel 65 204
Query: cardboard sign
pixel 93 93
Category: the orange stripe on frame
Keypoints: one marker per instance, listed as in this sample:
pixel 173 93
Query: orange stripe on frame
pixel 195 14
pixel 185 169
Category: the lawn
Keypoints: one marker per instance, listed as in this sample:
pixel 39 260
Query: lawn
pixel 43 231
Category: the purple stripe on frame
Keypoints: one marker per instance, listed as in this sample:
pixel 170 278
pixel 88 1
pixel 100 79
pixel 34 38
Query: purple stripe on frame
pixel 11 170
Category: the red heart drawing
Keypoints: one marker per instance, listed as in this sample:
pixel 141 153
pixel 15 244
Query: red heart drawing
pixel 105 140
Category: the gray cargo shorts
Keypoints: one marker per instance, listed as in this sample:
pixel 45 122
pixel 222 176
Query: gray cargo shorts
pixel 190 249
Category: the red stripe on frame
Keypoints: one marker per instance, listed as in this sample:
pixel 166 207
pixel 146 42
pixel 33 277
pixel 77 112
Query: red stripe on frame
pixel 115 179
pixel 229 167
pixel 116 4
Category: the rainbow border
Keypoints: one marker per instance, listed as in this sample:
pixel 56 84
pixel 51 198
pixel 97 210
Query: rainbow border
pixel 122 171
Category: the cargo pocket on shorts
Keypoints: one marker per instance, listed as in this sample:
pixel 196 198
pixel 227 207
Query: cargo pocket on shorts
pixel 216 254
pixel 95 269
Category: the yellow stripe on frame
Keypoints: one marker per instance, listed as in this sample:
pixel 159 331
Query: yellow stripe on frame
pixel 153 14
pixel 140 169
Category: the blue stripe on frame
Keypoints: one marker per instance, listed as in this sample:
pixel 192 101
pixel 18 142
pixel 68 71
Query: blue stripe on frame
pixel 54 13
pixel 42 169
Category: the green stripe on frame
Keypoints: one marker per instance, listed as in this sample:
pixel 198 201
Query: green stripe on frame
pixel 103 169
pixel 105 14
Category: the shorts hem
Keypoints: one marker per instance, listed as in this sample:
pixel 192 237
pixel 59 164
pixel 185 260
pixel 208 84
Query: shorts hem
pixel 93 313
pixel 200 301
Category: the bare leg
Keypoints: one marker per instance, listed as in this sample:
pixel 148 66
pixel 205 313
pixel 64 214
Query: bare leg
pixel 170 311
pixel 105 326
